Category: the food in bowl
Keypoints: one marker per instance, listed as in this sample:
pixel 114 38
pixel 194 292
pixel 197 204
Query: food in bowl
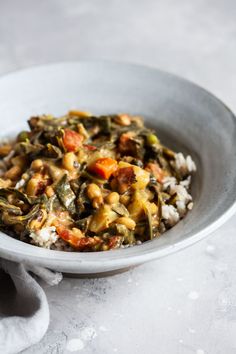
pixel 91 183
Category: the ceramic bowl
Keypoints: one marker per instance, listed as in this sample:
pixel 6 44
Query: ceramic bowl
pixel 187 118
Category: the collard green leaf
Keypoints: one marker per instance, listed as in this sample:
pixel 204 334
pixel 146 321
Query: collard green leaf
pixel 65 194
pixel 4 192
pixel 5 206
pixel 121 230
pixel 83 224
pixel 28 148
pixel 21 219
pixel 120 209
pixel 105 124
pixel 82 200
pixel 52 151
pixel 149 220
pixel 95 179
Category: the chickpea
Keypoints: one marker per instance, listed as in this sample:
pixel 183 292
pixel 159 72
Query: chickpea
pixel 93 191
pixel 81 156
pixel 25 176
pixel 14 173
pixel 97 202
pixel 69 160
pixel 77 113
pixel 128 222
pixel 49 191
pixel 36 165
pixel 123 119
pixel 113 198
pixel 32 186
pixel 125 199
pixel 5 150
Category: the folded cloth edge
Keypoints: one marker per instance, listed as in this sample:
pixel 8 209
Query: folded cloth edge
pixel 18 333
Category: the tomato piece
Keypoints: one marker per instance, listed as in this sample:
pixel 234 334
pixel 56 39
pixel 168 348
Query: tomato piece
pixel 90 147
pixel 114 242
pixel 80 243
pixel 72 141
pixel 104 167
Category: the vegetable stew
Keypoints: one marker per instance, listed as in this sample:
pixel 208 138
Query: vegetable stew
pixel 91 183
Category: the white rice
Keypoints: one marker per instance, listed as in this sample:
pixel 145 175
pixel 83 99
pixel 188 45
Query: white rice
pixel 45 237
pixel 186 182
pixel 167 182
pixel 170 215
pixel 183 165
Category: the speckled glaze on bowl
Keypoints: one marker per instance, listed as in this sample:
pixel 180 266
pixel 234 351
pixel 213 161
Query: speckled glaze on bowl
pixel 187 118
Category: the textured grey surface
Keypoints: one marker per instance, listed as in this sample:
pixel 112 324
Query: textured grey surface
pixel 183 304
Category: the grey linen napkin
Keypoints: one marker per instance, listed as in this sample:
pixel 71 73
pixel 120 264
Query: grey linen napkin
pixel 24 311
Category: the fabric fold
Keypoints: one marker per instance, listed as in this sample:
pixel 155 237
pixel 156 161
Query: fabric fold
pixel 29 316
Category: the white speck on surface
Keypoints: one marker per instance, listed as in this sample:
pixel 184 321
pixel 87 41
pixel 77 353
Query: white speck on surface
pixel 191 330
pixel 200 351
pixel 180 341
pixel 223 300
pixel 210 249
pixel 74 345
pixel 103 329
pixel 224 303
pixel 169 308
pixel 115 350
pixel 130 280
pixel 193 295
pixel 179 279
pixel 179 312
pixel 88 333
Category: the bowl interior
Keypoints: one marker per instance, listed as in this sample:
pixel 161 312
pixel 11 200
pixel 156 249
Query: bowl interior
pixel 186 117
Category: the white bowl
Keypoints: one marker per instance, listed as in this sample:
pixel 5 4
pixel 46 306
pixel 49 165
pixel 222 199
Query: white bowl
pixel 186 117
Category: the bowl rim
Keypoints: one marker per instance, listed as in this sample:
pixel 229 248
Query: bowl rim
pixel 120 258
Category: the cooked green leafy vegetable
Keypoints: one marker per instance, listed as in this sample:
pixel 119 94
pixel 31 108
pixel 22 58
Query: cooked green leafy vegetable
pixel 65 194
